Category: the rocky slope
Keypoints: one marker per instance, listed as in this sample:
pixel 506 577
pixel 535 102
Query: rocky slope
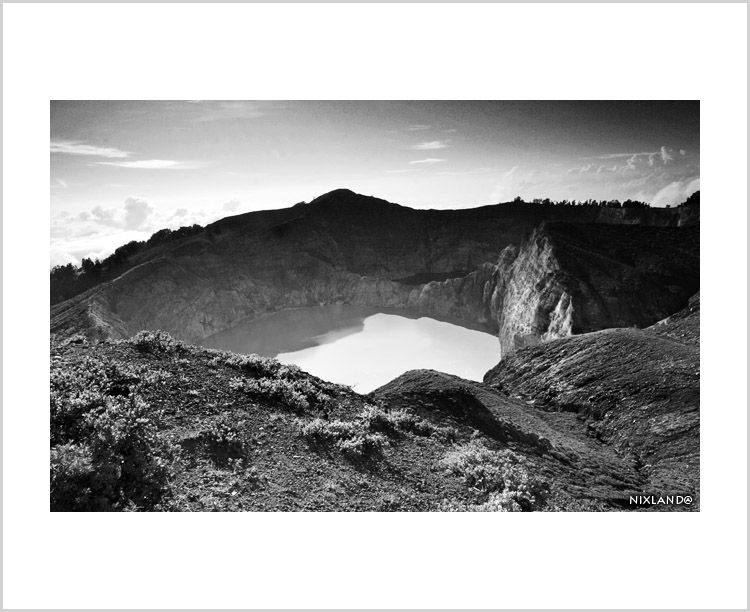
pixel 154 424
pixel 635 390
pixel 514 268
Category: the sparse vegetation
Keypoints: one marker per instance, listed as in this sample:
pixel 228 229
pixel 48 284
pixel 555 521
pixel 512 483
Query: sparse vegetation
pixel 157 342
pixel 153 424
pixel 224 430
pixel 349 437
pixel 105 452
pixel 296 394
pixel 503 475
pixel 393 421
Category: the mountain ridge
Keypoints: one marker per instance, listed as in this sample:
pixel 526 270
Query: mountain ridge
pixel 337 250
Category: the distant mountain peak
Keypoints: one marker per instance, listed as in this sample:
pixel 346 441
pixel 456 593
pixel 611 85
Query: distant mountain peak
pixel 346 199
pixel 341 192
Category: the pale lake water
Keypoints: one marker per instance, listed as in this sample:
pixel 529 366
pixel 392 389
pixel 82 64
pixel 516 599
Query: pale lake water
pixel 363 347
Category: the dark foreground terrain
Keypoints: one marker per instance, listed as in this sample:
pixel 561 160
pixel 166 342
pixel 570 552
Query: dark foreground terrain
pixel 579 423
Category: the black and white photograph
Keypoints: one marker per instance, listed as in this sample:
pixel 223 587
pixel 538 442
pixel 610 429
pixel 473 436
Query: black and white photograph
pixel 374 305
pixel 457 306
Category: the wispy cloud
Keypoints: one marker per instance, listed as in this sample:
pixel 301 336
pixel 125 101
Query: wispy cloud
pixel 586 168
pixel 419 127
pixel 616 155
pixel 429 160
pixel 431 145
pixel 155 164
pixel 80 147
pixel 666 155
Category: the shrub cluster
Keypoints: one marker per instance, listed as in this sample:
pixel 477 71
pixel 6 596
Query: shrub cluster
pixel 503 475
pixel 391 422
pixel 105 453
pixel 349 437
pixel 157 343
pixel 295 393
pixel 259 366
pixel 224 430
pixel 367 434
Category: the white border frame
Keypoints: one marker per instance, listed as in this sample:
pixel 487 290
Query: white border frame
pixel 367 51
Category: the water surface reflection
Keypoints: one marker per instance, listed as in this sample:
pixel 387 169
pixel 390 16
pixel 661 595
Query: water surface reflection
pixel 363 347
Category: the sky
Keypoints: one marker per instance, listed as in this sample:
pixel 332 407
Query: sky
pixel 121 170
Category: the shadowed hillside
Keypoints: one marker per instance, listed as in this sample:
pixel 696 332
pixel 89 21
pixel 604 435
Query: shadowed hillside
pixel 510 268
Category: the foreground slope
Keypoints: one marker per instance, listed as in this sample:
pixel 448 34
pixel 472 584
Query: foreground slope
pixel 575 424
pixel 638 391
pixel 527 272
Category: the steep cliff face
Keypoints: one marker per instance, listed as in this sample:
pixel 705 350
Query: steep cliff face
pixel 566 279
pixel 505 267
pixel 572 279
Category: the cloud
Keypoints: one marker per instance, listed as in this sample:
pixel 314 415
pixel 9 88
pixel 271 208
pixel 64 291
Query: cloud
pixel 231 206
pixel 155 164
pixel 666 156
pixel 134 215
pixel 93 246
pixel 137 212
pixel 108 217
pixel 630 165
pixel 433 144
pixel 429 160
pixel 97 233
pixel 676 192
pixel 583 169
pixel 418 127
pixel 79 147
pixel 616 155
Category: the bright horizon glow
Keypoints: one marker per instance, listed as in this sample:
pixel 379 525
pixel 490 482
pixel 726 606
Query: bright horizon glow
pixel 197 161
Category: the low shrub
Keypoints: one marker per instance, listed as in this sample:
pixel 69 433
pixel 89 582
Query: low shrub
pixel 390 422
pixel 104 449
pixel 224 430
pixel 297 394
pixel 157 343
pixel 503 475
pixel 259 366
pixel 71 473
pixel 349 437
